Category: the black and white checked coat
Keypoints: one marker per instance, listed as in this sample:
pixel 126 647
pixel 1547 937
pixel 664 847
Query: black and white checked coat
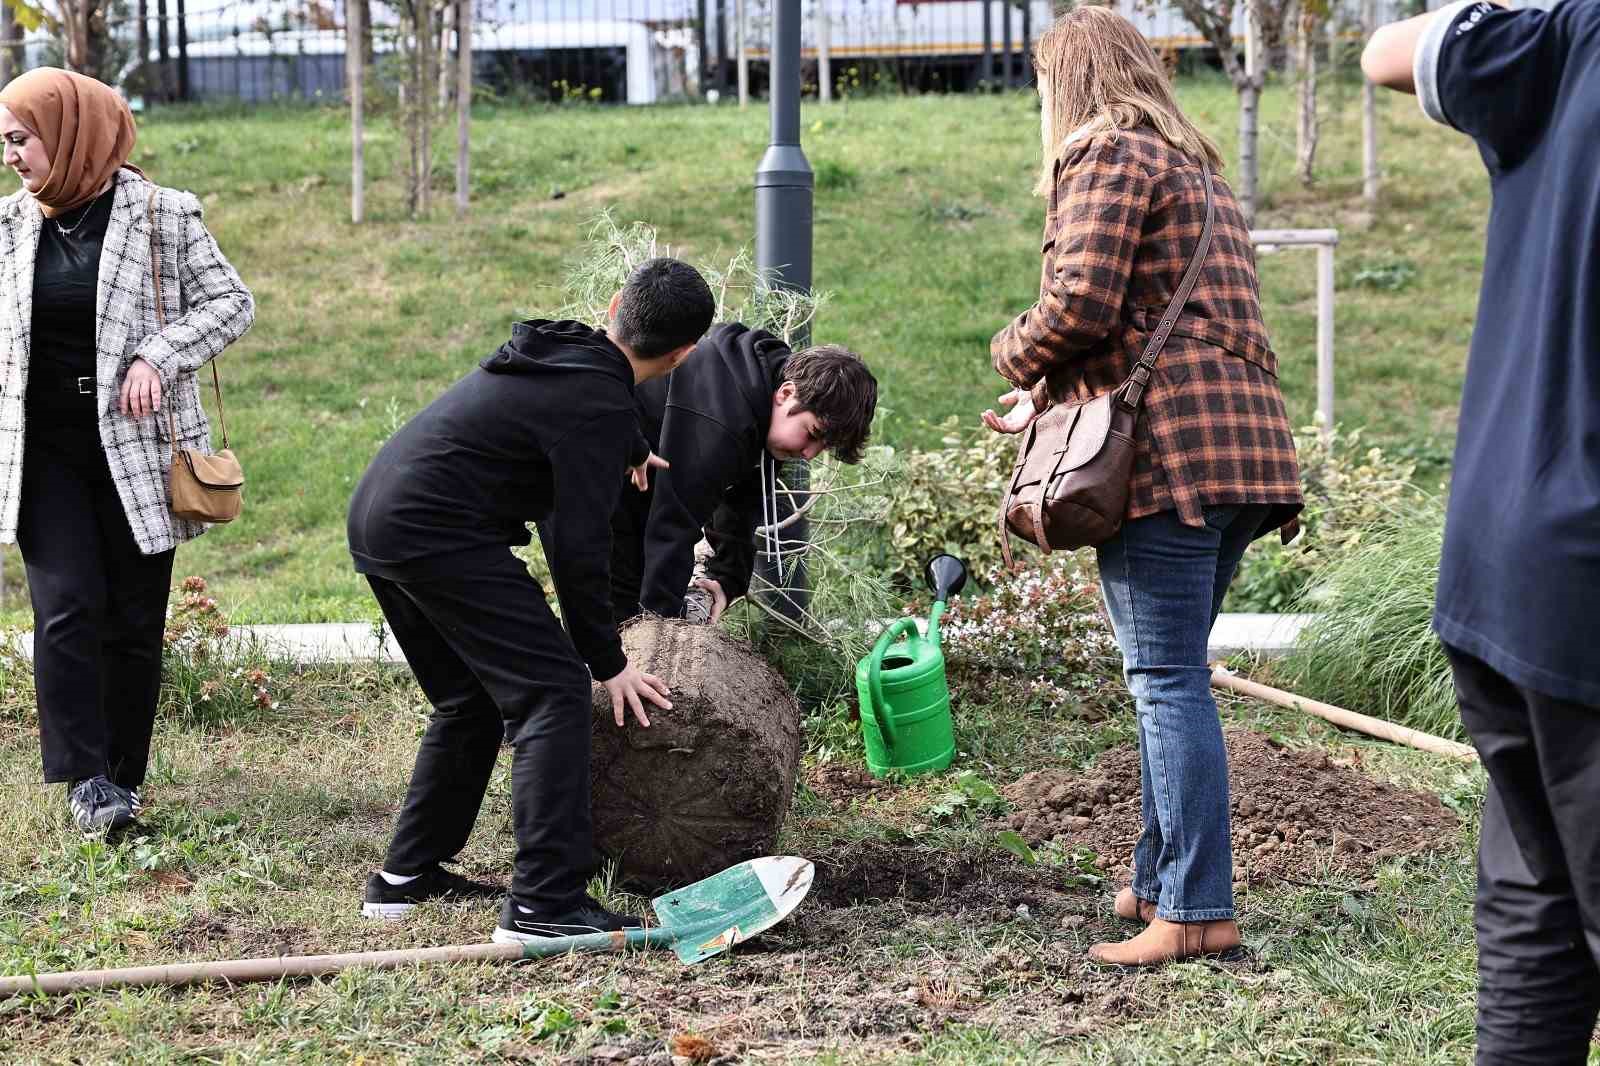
pixel 207 308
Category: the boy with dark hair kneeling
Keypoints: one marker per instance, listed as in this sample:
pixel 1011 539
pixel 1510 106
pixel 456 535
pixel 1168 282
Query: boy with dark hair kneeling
pixel 540 432
pixel 722 420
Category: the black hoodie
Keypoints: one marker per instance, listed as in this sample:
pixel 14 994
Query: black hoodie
pixel 709 419
pixel 541 432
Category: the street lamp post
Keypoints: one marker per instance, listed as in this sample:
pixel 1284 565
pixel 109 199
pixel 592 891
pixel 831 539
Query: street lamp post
pixel 784 186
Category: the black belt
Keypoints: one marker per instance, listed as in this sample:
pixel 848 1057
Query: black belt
pixel 83 385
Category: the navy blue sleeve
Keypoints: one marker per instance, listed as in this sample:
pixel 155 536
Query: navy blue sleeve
pixel 1493 73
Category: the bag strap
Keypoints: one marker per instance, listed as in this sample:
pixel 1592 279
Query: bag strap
pixel 1132 393
pixel 161 323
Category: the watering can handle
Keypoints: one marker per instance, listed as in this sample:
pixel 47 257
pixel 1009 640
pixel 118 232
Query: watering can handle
pixel 875 673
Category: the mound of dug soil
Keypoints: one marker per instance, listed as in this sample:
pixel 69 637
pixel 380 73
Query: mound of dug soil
pixel 1296 813
pixel 708 784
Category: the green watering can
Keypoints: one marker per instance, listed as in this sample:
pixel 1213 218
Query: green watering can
pixel 905 703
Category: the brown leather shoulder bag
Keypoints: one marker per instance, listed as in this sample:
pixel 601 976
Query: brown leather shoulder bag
pixel 204 488
pixel 1069 487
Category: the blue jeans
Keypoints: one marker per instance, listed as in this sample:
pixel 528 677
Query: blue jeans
pixel 1163 583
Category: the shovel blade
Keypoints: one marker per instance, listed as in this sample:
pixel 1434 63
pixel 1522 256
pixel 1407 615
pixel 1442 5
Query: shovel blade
pixel 710 916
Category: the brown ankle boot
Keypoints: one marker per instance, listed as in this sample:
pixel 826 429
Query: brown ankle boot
pixel 1163 941
pixel 1133 908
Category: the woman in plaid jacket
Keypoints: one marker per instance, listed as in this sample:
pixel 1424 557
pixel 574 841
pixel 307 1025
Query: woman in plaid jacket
pixel 1215 462
pixel 84 369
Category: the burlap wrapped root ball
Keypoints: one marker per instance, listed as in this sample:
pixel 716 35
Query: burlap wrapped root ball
pixel 708 784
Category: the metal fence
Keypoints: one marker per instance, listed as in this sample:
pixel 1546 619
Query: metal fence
pixel 632 51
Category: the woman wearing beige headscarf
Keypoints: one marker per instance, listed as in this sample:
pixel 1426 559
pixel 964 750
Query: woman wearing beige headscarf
pixel 85 365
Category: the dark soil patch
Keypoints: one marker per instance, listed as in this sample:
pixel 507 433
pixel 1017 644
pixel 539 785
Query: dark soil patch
pixel 202 936
pixel 839 784
pixel 708 784
pixel 873 873
pixel 1296 812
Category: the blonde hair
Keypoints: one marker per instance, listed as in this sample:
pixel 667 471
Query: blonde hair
pixel 1096 73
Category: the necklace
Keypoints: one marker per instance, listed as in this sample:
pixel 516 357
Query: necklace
pixel 75 227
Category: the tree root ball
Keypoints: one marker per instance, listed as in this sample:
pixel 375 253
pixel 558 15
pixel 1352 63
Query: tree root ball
pixel 708 784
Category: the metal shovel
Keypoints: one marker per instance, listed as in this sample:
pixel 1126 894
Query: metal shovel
pixel 702 920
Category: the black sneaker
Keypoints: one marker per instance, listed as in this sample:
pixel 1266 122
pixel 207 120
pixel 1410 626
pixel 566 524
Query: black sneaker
pixel 98 806
pixel 519 925
pixel 383 900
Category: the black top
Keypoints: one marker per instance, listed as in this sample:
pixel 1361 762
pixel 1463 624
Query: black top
pixel 709 419
pixel 66 276
pixel 1521 562
pixel 542 431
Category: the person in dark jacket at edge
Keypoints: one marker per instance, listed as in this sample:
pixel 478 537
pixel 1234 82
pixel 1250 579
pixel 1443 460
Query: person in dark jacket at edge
pixel 542 431
pixel 722 420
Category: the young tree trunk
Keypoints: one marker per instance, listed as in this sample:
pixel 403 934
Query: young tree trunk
pixel 366 31
pixel 1249 168
pixel 356 73
pixel 463 104
pixel 1369 114
pixel 183 52
pixel 824 53
pixel 163 56
pixel 447 72
pixel 424 143
pixel 741 53
pixel 1306 128
pixel 1249 83
pixel 8 30
pixel 75 31
pixel 1214 20
pixel 143 45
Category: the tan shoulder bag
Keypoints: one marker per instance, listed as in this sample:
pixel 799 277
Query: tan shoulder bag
pixel 1069 488
pixel 204 488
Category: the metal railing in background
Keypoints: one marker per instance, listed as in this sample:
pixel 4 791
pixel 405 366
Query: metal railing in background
pixel 614 51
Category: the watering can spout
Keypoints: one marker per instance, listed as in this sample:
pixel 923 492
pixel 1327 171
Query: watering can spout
pixel 946 575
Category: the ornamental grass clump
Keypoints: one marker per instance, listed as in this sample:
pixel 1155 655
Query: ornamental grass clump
pixel 1372 648
pixel 1349 489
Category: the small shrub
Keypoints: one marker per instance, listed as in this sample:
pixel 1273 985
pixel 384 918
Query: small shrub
pixel 947 500
pixel 204 679
pixel 1372 647
pixel 1349 489
pixel 1039 636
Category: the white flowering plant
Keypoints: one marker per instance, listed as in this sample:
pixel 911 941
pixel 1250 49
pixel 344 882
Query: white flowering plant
pixel 1038 637
pixel 204 677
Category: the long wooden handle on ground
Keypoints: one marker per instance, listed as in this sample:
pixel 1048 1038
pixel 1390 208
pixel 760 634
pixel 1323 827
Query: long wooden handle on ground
pixel 238 971
pixel 1377 727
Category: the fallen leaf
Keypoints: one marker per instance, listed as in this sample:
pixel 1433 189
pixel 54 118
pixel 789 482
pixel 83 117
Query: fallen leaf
pixel 693 1047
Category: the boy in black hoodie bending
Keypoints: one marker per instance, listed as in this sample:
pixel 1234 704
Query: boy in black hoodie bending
pixel 544 430
pixel 743 401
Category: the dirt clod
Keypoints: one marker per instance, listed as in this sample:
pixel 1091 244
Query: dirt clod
pixel 707 785
pixel 1296 813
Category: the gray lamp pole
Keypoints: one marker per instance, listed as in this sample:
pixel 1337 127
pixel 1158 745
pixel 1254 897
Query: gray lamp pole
pixel 783 180
pixel 783 242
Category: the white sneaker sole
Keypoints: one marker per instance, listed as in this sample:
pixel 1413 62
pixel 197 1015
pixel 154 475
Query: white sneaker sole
pixel 391 912
pixel 509 936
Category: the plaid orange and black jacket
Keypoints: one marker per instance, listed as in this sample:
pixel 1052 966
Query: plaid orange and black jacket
pixel 1124 216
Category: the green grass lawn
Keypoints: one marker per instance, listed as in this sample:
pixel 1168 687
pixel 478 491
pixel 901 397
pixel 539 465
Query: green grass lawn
pixel 925 237
pixel 922 942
